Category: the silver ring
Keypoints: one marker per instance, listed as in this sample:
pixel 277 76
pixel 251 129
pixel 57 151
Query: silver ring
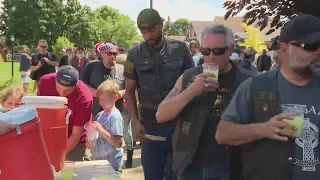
pixel 278 130
pixel 205 80
pixel 206 85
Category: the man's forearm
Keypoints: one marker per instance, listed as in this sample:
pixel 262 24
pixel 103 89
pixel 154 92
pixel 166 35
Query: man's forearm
pixel 231 133
pixel 73 141
pixel 53 63
pixel 132 106
pixel 170 108
pixel 34 68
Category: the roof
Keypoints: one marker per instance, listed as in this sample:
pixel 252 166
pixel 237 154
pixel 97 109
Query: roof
pixel 199 25
pixel 234 23
pixel 180 38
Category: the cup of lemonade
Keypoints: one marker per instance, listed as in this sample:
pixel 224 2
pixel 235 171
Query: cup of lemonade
pixel 297 112
pixel 67 171
pixel 211 68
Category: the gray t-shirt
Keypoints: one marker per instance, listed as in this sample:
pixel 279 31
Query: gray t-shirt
pixel 24 62
pixel 306 161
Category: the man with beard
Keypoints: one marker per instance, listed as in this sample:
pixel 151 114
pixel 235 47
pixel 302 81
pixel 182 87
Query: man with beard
pixel 97 72
pixel 153 67
pixel 253 119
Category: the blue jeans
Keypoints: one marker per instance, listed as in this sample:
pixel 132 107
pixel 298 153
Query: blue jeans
pixel 127 131
pixel 156 156
pixel 218 170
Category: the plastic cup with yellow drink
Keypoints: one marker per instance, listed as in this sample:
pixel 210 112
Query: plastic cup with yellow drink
pixel 211 68
pixel 67 171
pixel 297 112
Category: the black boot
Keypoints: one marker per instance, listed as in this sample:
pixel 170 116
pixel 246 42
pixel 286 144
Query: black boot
pixel 129 159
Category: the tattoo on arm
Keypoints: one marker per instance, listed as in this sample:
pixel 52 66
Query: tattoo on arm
pixel 173 93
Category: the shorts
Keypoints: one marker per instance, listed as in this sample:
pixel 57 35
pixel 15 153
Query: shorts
pixel 25 79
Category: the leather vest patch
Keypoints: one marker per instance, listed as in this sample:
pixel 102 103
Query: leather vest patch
pixel 265 105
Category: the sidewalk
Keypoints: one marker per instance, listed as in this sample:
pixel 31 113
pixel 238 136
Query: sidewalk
pixel 136 172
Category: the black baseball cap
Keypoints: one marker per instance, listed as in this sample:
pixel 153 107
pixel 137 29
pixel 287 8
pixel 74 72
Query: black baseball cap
pixel 150 17
pixel 67 76
pixel 303 28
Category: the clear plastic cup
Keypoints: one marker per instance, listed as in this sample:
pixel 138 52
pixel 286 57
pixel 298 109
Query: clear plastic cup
pixel 67 171
pixel 211 68
pixel 297 112
pixel 91 133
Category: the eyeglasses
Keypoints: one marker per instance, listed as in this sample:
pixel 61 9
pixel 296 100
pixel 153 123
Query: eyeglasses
pixel 307 47
pixel 42 46
pixel 215 51
pixel 121 50
pixel 111 53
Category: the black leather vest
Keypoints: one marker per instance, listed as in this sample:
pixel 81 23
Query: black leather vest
pixel 267 159
pixel 157 74
pixel 193 117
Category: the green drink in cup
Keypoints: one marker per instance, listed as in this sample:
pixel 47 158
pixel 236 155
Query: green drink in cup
pixel 297 112
pixel 67 171
pixel 211 68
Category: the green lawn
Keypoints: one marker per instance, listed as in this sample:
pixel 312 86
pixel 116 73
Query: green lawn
pixel 5 76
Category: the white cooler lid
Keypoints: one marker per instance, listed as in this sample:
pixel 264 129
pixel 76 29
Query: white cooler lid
pixel 44 100
pixel 19 115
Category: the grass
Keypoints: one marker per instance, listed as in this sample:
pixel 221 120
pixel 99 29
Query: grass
pixel 7 81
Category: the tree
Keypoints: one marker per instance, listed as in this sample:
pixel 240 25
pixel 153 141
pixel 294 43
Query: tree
pixel 110 25
pixel 279 11
pixel 177 28
pixel 254 39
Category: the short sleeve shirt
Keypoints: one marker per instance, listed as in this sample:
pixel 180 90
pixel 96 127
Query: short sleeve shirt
pixel 112 122
pixel 79 102
pixel 305 162
pixel 25 60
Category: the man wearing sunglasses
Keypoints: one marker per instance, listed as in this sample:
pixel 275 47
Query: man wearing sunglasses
pixel 198 100
pixel 152 67
pixel 97 72
pixel 254 119
pixel 43 62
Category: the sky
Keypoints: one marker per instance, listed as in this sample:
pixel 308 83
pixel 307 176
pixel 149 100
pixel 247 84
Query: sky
pixel 194 10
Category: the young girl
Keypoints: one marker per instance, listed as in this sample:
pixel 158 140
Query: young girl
pixel 109 125
pixel 10 98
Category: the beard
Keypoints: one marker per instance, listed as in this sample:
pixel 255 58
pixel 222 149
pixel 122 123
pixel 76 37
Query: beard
pixel 315 65
pixel 309 69
pixel 69 56
pixel 155 41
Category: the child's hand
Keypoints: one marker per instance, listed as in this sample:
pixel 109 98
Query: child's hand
pixel 88 146
pixel 96 125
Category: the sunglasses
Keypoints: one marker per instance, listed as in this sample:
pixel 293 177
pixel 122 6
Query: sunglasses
pixel 215 51
pixel 121 50
pixel 43 46
pixel 307 47
pixel 111 53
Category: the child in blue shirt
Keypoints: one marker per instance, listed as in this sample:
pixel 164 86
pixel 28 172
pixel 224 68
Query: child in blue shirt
pixel 109 125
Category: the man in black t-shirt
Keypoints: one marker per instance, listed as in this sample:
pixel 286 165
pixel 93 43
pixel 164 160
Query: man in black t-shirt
pixel 43 62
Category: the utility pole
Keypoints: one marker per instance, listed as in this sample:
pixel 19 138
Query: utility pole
pixel 150 4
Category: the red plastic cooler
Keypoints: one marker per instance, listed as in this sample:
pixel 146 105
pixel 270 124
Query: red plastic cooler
pixel 23 154
pixel 52 114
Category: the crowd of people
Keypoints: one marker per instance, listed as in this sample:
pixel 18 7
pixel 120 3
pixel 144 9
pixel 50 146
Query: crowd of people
pixel 192 124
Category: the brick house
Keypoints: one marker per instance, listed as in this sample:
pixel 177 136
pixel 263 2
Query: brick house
pixel 234 23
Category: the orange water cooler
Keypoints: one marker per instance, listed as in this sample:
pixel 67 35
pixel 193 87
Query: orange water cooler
pixel 23 154
pixel 52 114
